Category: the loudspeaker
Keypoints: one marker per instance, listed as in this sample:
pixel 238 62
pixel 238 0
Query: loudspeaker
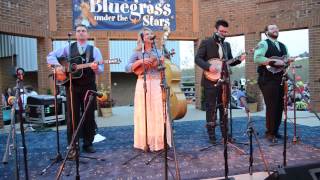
pixel 304 172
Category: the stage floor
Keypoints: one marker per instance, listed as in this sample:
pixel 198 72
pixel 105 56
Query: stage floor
pixel 190 137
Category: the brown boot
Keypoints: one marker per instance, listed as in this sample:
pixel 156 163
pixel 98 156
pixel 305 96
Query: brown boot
pixel 211 132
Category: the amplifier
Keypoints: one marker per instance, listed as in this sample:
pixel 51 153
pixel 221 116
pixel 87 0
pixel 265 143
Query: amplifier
pixel 40 109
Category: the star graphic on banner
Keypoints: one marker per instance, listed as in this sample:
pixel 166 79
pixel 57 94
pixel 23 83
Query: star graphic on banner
pixel 135 21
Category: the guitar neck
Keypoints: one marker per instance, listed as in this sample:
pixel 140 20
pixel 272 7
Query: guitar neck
pixel 110 61
pixel 230 61
pixel 82 66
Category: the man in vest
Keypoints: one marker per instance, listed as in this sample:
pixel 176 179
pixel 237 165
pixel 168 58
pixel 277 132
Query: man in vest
pixel 270 82
pixel 80 85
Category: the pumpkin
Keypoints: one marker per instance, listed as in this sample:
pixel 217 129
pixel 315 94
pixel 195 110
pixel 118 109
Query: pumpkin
pixel 104 98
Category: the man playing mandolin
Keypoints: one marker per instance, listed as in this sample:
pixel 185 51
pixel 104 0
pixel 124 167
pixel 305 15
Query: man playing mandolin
pixel 81 84
pixel 270 56
pixel 210 49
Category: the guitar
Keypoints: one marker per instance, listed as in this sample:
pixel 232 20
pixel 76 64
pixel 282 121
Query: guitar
pixel 75 67
pixel 215 76
pixel 276 69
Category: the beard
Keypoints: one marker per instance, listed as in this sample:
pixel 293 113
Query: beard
pixel 273 35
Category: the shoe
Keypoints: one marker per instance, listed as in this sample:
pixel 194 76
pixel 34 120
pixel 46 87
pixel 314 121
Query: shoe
pixel 89 149
pixel 212 139
pixel 279 136
pixel 272 139
pixel 72 154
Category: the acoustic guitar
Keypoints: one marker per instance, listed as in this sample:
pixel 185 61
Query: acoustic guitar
pixel 75 67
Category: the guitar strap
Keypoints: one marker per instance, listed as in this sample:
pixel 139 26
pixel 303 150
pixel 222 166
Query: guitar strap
pixel 88 50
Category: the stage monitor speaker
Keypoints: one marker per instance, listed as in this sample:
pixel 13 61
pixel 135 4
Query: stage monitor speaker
pixel 304 172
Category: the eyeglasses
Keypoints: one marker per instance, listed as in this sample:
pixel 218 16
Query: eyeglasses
pixel 78 31
pixel 222 31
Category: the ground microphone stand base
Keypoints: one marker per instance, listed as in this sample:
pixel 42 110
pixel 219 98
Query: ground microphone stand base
pixel 75 137
pixel 58 157
pixel 252 133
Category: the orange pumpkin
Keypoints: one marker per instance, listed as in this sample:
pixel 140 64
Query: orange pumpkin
pixel 104 98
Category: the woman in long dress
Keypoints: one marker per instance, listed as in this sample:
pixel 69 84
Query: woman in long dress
pixel 154 105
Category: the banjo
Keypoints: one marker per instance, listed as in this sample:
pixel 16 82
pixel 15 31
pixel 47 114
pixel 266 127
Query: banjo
pixel 215 76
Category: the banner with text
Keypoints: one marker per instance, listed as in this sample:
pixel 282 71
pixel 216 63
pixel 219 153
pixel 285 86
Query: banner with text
pixel 126 15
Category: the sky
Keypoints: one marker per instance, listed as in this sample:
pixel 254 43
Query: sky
pixel 186 54
pixel 297 41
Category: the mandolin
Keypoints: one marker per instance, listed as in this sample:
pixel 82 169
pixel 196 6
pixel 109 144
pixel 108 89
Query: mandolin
pixel 276 69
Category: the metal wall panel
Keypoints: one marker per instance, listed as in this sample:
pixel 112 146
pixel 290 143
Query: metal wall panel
pixel 25 48
pixel 123 49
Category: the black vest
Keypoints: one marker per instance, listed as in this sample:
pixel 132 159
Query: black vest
pixel 89 77
pixel 272 51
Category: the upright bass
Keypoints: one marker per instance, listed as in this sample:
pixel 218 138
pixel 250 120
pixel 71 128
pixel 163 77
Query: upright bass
pixel 178 102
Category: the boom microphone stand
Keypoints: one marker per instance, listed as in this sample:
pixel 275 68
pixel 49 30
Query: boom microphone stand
pixel 251 132
pixel 224 82
pixel 284 83
pixel 58 157
pixel 75 136
pixel 295 139
pixel 146 149
pixel 165 91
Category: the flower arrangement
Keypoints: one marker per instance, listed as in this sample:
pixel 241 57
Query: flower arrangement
pixel 104 101
pixel 252 90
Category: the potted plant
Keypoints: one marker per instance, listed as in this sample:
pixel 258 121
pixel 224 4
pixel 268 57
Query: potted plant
pixel 253 95
pixel 104 102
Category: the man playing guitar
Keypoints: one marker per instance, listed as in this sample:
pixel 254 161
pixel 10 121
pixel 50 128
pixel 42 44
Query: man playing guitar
pixel 87 81
pixel 269 55
pixel 214 47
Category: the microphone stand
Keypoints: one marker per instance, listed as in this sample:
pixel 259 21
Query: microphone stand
pixel 75 138
pixel 145 97
pixel 251 132
pixel 224 82
pixel 58 157
pixel 165 91
pixel 12 132
pixel 295 137
pixel 284 83
pixel 24 147
pixel 146 149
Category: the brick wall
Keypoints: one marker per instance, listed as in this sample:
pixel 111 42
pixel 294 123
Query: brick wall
pixel 27 17
pixel 245 16
pixel 64 25
pixel 250 17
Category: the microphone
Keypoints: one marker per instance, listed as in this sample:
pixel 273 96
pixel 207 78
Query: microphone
pixel 141 36
pixel 69 33
pixel 96 93
pixel 217 36
pixel 153 37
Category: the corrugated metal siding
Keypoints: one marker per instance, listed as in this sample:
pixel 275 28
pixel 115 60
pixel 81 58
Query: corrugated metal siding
pixel 25 49
pixel 123 49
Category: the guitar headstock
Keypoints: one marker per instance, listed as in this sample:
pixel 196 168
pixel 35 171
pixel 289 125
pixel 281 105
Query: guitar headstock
pixel 112 61
pixel 166 33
